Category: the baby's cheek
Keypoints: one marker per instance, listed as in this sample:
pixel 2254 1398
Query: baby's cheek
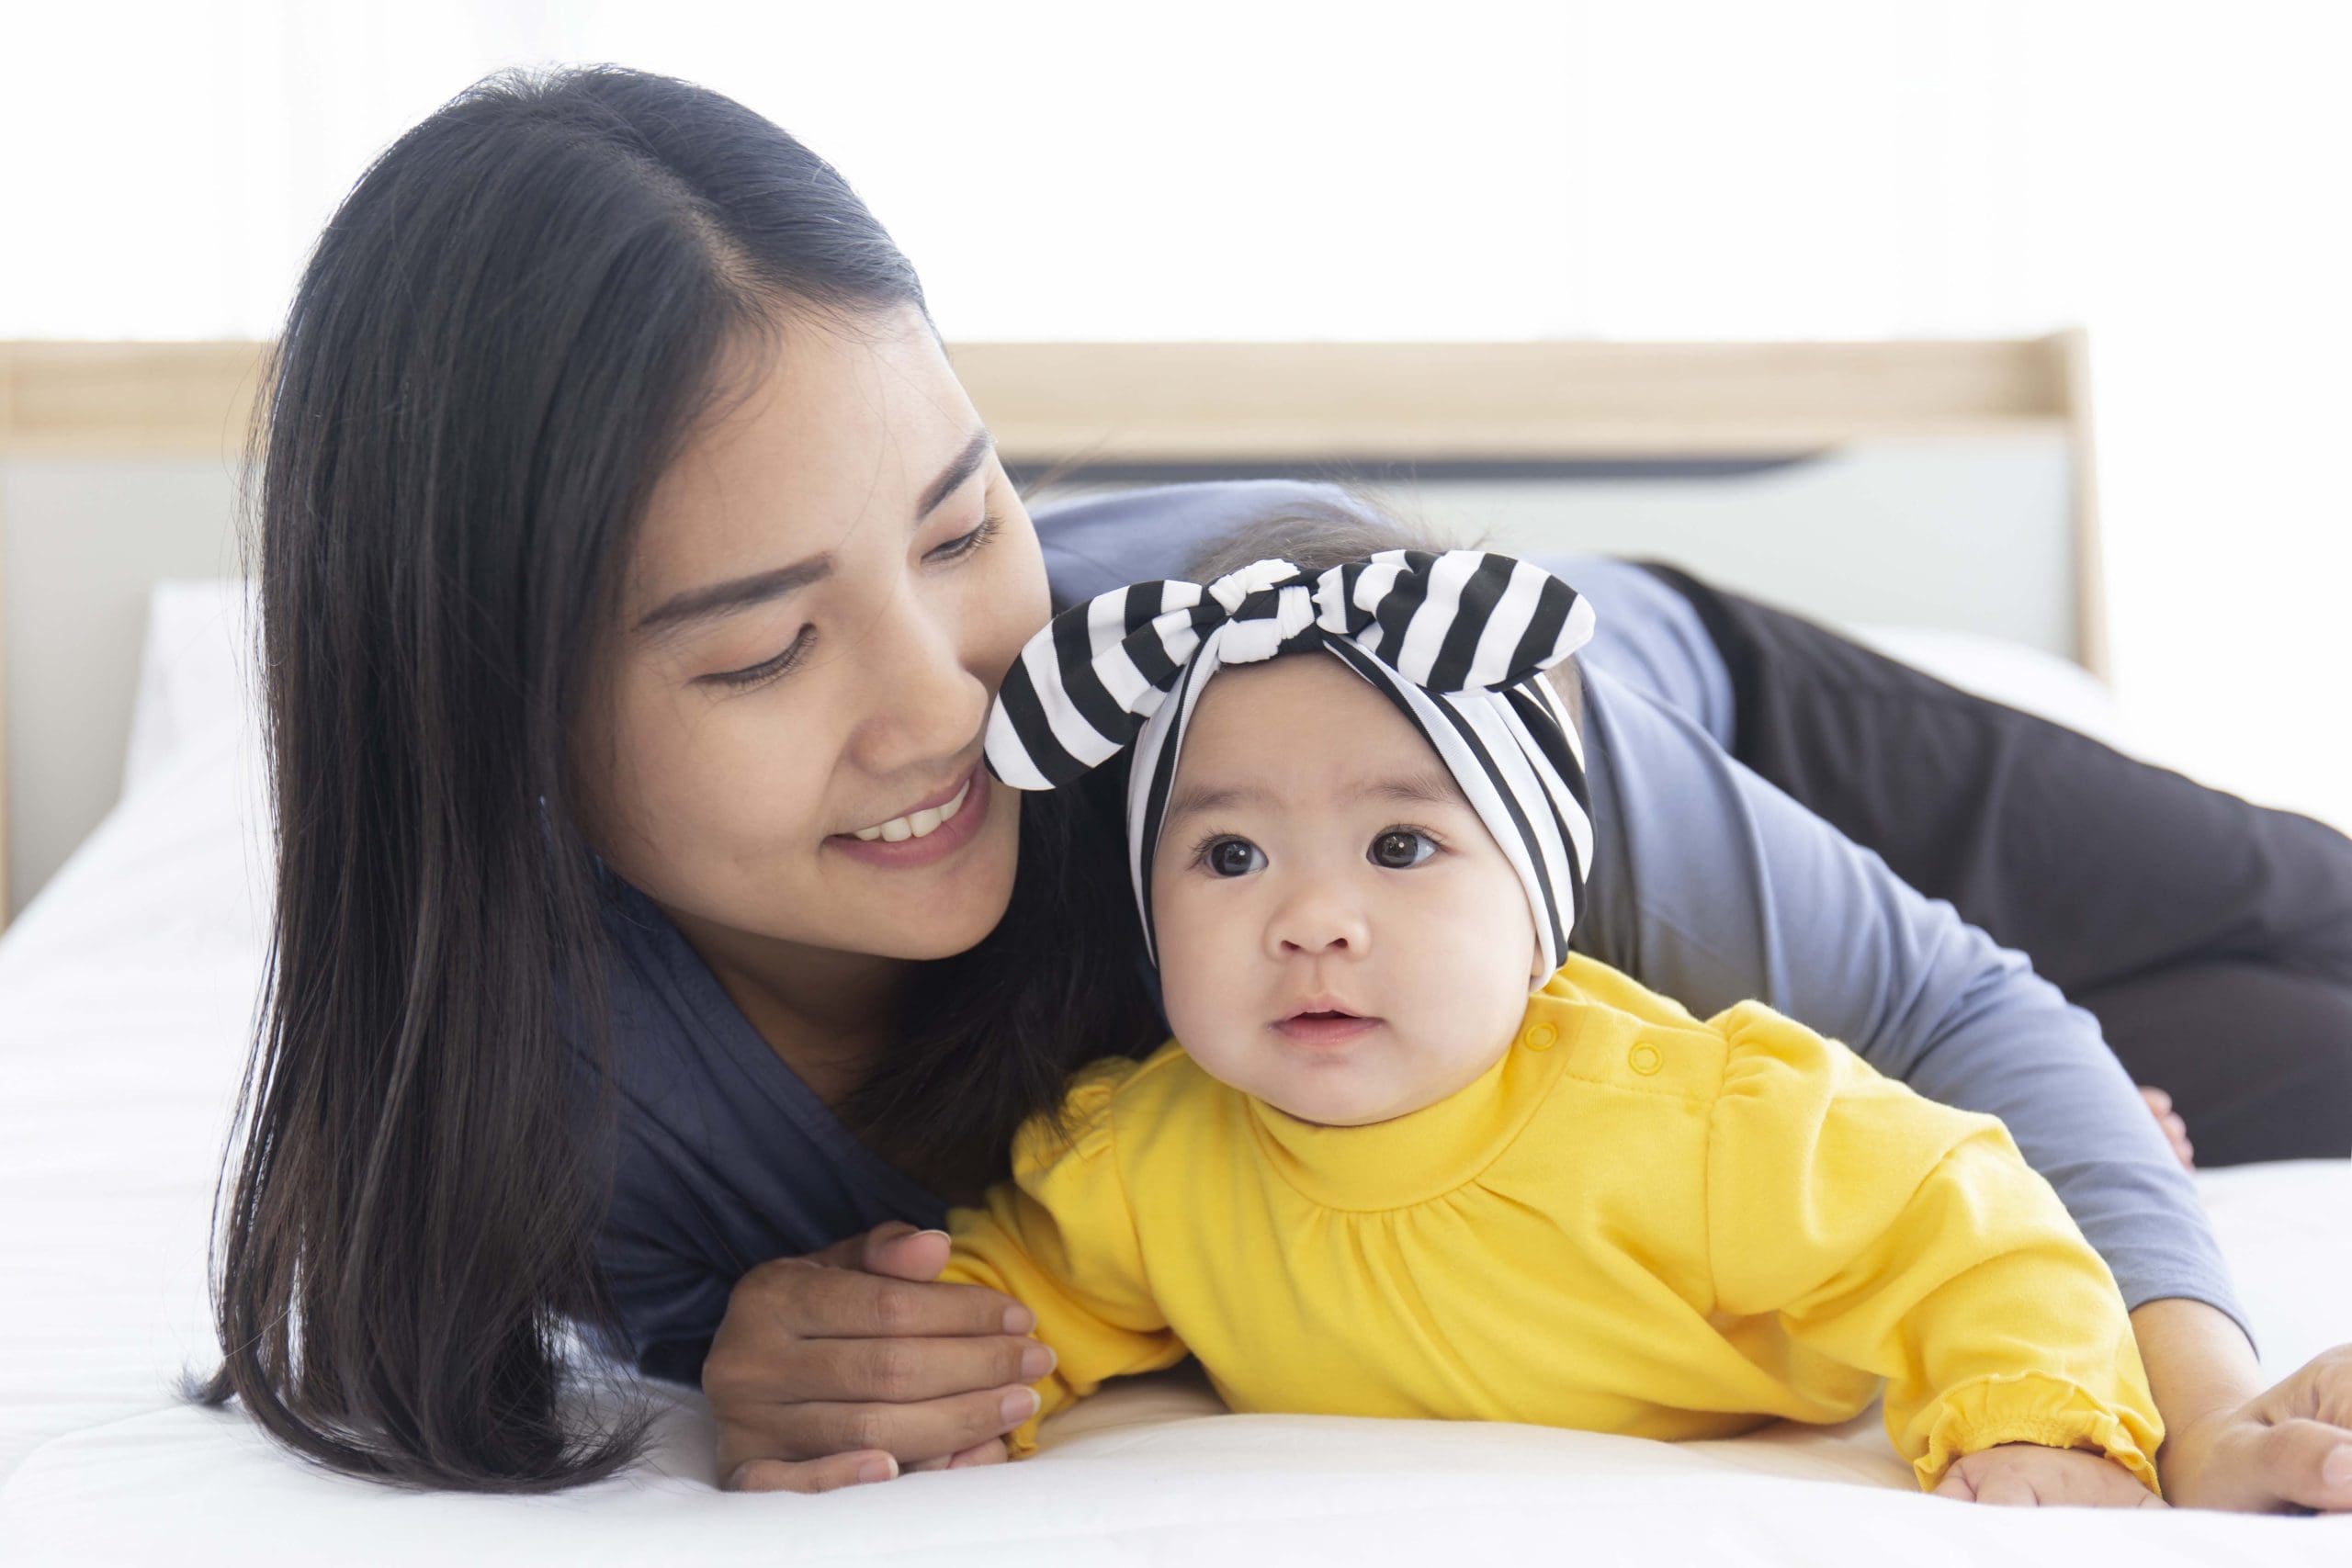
pixel 1188 964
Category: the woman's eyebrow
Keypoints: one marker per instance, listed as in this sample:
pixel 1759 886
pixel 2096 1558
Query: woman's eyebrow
pixel 699 604
pixel 966 464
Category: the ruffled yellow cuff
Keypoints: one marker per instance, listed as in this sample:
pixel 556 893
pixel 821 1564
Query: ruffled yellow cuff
pixel 1022 1441
pixel 2029 1407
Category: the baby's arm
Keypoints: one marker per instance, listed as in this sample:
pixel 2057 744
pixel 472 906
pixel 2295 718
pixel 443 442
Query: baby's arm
pixel 1060 1239
pixel 1911 1240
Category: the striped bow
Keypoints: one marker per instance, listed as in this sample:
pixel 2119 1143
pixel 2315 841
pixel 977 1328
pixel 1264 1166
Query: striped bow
pixel 1454 639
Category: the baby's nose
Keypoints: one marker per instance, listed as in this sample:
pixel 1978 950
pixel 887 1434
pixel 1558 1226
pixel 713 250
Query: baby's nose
pixel 1318 920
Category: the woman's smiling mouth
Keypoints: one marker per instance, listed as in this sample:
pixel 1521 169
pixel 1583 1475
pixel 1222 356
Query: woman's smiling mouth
pixel 919 824
pixel 926 835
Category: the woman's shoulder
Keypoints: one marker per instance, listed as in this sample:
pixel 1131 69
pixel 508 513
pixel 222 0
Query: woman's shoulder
pixel 1096 542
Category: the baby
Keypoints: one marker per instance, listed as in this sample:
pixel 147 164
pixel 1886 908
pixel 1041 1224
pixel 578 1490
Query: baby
pixel 1407 1156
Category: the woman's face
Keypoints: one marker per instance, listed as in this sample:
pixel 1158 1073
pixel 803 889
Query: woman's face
pixel 828 584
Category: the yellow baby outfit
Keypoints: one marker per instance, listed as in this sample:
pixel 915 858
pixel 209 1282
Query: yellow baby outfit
pixel 1634 1222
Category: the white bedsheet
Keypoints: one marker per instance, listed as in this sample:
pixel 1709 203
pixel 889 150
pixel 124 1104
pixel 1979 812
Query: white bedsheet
pixel 125 998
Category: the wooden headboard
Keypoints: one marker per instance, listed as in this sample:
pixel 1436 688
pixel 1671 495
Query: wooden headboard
pixel 1122 412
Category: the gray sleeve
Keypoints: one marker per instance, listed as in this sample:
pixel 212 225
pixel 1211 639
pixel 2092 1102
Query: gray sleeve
pixel 1710 885
pixel 1647 636
pixel 1102 542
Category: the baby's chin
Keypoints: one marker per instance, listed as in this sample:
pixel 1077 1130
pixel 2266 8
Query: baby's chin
pixel 1337 1105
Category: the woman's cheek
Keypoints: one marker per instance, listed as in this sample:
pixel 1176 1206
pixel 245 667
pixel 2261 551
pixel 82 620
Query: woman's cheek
pixel 1015 599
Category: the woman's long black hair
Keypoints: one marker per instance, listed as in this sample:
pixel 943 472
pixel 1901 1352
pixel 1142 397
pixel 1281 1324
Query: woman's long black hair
pixel 500 338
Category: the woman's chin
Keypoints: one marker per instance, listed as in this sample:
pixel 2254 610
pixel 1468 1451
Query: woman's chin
pixel 948 919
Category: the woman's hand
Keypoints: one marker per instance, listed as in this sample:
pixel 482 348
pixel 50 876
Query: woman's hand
pixel 840 1367
pixel 2230 1443
pixel 2025 1475
pixel 2175 1131
pixel 2289 1446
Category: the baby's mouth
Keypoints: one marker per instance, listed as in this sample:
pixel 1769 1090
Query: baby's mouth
pixel 1324 1026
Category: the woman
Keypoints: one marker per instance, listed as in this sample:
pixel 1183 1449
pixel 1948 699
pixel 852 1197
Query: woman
pixel 649 952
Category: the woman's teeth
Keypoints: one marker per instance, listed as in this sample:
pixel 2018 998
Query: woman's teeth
pixel 920 825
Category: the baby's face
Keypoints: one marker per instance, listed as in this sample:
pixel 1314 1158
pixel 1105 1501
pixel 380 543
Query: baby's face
pixel 1338 934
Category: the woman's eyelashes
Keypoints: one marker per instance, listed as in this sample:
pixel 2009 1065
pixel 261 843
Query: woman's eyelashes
pixel 969 543
pixel 767 670
pixel 1398 848
pixel 961 547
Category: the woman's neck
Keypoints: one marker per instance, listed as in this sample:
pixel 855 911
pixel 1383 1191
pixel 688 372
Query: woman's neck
pixel 828 1015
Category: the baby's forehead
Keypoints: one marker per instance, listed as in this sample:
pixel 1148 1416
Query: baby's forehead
pixel 1304 730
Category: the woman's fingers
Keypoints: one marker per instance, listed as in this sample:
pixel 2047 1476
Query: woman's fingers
pixel 903 1252
pixel 933 1429
pixel 904 1370
pixel 809 1301
pixel 2306 1452
pixel 827 1475
pixel 2309 1463
pixel 915 1433
pixel 821 1369
pixel 993 1451
pixel 2175 1131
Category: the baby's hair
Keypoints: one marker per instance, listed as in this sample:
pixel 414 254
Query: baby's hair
pixel 1316 535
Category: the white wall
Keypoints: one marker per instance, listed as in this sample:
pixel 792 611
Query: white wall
pixel 2167 173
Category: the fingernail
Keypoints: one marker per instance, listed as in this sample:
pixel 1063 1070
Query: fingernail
pixel 1018 1319
pixel 881 1466
pixel 1021 1405
pixel 1036 1361
pixel 941 1235
pixel 2338 1471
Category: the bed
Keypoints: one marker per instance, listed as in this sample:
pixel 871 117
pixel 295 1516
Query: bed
pixel 126 994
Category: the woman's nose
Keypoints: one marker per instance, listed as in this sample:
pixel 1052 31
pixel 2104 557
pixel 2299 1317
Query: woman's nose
pixel 922 705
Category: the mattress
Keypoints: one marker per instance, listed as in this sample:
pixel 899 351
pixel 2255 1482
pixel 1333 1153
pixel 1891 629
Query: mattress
pixel 127 992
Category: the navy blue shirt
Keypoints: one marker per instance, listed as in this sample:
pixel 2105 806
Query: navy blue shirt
pixel 1708 885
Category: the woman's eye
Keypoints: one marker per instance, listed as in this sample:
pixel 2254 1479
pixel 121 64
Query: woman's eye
pixel 1397 849
pixel 969 543
pixel 767 670
pixel 1231 857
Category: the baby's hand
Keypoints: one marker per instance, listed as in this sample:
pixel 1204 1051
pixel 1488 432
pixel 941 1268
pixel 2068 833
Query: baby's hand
pixel 2028 1475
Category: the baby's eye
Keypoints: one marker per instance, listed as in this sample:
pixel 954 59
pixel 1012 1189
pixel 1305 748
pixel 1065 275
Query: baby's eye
pixel 1398 849
pixel 1231 857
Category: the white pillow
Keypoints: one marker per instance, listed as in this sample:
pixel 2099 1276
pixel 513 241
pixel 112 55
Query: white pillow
pixel 197 672
pixel 2009 672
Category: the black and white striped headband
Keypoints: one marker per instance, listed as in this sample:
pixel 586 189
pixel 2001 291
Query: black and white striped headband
pixel 1454 640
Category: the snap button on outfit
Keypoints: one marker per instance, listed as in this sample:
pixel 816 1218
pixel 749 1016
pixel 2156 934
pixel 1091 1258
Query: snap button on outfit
pixel 1644 1059
pixel 1540 1036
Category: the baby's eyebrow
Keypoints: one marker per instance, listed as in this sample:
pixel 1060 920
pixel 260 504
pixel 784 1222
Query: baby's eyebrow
pixel 1434 787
